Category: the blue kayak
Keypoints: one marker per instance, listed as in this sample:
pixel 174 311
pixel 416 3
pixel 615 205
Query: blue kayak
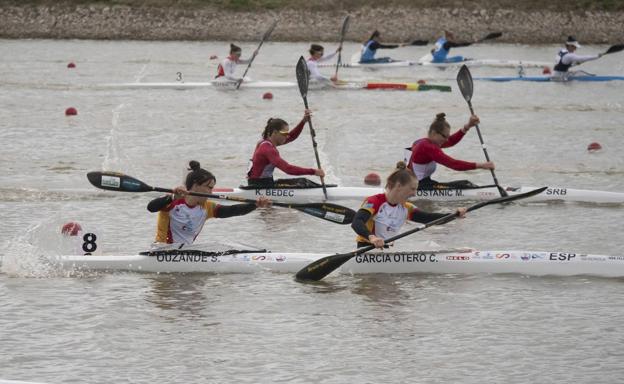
pixel 549 78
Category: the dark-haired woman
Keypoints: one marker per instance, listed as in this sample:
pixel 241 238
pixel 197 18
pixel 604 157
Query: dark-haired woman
pixel 266 157
pixel 227 67
pixel 316 56
pixel 369 49
pixel 427 153
pixel 382 216
pixel 181 216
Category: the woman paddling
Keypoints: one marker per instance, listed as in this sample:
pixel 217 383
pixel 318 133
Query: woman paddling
pixel 266 157
pixel 566 58
pixel 227 67
pixel 181 217
pixel 370 49
pixel 427 153
pixel 382 216
pixel 316 56
pixel 442 48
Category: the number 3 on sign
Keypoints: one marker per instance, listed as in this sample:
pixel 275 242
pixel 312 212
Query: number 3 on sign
pixel 89 245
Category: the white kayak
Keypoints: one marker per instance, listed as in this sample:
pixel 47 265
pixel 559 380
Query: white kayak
pixel 208 84
pixel 444 262
pixel 474 63
pixel 336 193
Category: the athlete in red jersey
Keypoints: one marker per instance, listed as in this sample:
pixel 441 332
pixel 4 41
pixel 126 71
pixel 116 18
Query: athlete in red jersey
pixel 382 216
pixel 227 67
pixel 266 157
pixel 427 153
pixel 181 217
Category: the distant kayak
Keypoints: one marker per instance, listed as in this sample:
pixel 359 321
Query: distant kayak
pixel 551 79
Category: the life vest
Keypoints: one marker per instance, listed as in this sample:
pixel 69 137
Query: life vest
pixel 367 53
pixel 439 53
pixel 560 67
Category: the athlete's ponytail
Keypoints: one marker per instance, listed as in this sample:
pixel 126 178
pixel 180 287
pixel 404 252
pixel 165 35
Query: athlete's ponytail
pixel 235 49
pixel 439 124
pixel 401 175
pixel 197 175
pixel 273 124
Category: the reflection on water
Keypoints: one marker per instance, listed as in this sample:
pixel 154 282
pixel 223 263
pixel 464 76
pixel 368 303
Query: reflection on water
pixel 182 293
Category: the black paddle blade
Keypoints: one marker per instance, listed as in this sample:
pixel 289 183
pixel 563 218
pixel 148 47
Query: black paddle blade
pixel 322 267
pixel 615 48
pixel 493 35
pixel 303 76
pixel 345 27
pixel 115 181
pixel 464 81
pixel 327 211
pixel 419 42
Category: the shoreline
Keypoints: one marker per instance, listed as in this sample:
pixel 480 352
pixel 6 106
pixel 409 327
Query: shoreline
pixel 96 21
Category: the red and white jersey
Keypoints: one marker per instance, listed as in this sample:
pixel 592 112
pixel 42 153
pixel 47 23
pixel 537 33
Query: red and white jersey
pixel 181 223
pixel 386 219
pixel 228 67
pixel 315 74
pixel 426 155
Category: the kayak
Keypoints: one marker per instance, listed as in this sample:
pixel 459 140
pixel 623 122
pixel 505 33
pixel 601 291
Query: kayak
pixel 474 63
pixel 336 193
pixel 463 261
pixel 541 79
pixel 343 85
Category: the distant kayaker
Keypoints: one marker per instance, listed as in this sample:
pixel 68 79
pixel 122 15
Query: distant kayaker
pixel 181 217
pixel 566 58
pixel 442 48
pixel 372 45
pixel 266 157
pixel 427 153
pixel 228 66
pixel 381 216
pixel 316 56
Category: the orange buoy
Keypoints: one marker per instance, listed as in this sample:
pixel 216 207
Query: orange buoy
pixel 71 65
pixel 594 147
pixel 546 71
pixel 71 111
pixel 267 96
pixel 71 229
pixel 372 179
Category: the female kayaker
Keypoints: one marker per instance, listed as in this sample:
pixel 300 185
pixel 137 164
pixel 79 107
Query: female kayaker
pixel 181 217
pixel 566 58
pixel 427 153
pixel 316 56
pixel 442 47
pixel 228 66
pixel 370 49
pixel 266 157
pixel 382 216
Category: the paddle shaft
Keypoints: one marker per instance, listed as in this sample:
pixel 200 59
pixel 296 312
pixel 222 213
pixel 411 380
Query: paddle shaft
pixel 314 145
pixel 264 37
pixel 485 152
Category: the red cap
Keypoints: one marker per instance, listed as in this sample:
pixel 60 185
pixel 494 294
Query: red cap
pixel 71 229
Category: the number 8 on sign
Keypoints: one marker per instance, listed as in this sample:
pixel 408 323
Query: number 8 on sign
pixel 89 245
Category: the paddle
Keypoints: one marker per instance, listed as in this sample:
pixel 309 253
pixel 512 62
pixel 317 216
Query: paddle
pixel 419 42
pixel 303 80
pixel 264 37
pixel 322 267
pixel 614 48
pixel 114 181
pixel 490 36
pixel 464 81
pixel 343 32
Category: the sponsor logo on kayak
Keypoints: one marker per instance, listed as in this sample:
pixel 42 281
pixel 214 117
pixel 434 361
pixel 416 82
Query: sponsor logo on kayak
pixel 620 258
pixel 110 181
pixel 373 258
pixel 597 258
pixel 280 258
pixel 258 257
pixel 458 258
pixel 484 255
pixel 561 256
pixel 503 256
pixel 276 192
pixel 557 191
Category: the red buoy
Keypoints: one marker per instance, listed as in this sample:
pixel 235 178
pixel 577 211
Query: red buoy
pixel 71 111
pixel 546 71
pixel 214 57
pixel 372 179
pixel 421 82
pixel 71 229
pixel 267 96
pixel 594 147
pixel 71 65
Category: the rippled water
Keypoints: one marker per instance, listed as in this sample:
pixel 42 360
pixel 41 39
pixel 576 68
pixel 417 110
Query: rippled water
pixel 103 328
